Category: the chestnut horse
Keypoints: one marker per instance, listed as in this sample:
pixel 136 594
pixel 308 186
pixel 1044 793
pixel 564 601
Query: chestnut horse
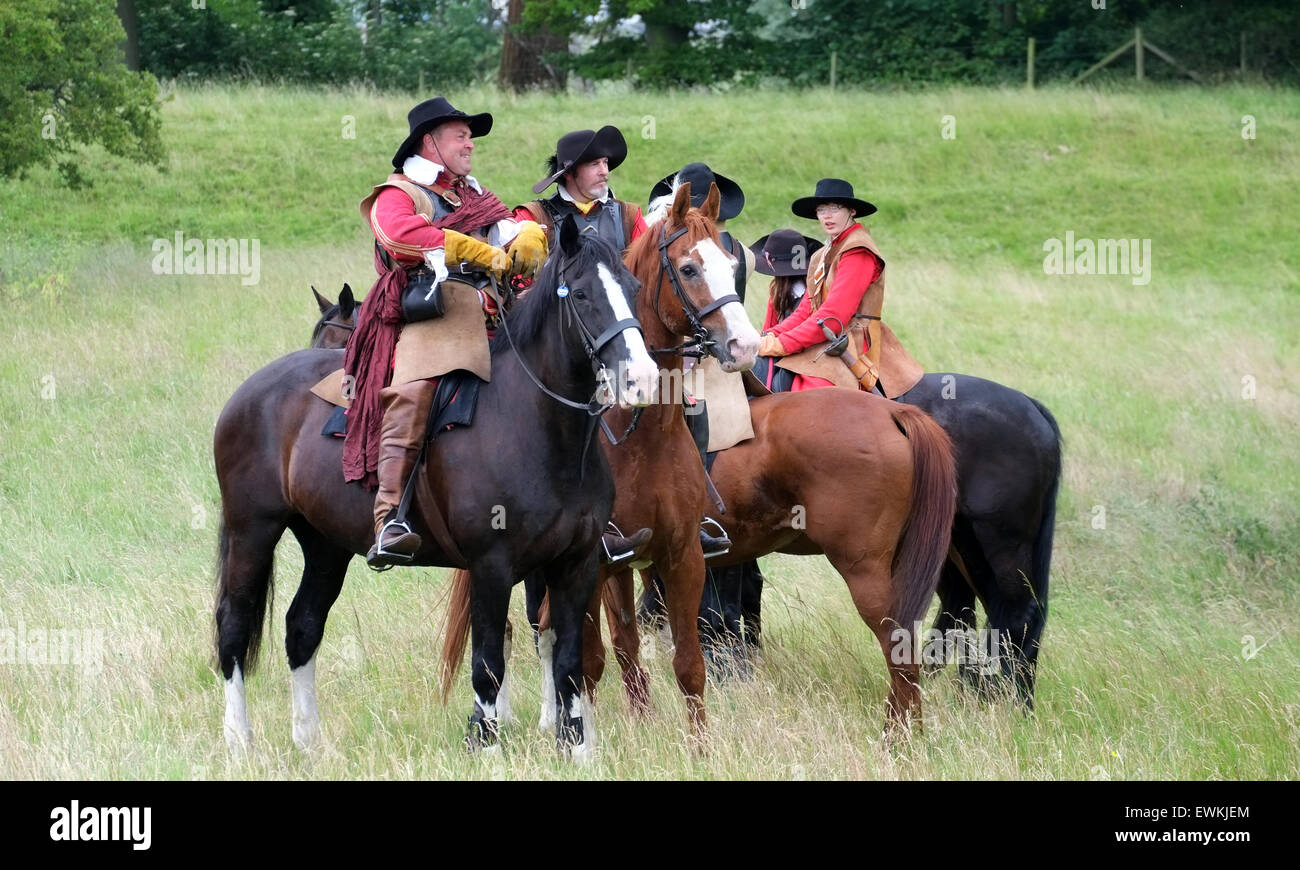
pixel 540 505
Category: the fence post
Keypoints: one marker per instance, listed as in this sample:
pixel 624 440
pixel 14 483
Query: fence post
pixel 834 58
pixel 1029 67
pixel 1137 52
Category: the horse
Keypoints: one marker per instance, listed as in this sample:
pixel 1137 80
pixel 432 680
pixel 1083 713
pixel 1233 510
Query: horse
pixel 553 496
pixel 1008 451
pixel 877 499
pixel 337 319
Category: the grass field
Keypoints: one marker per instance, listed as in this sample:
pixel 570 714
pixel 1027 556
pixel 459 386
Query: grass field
pixel 1178 533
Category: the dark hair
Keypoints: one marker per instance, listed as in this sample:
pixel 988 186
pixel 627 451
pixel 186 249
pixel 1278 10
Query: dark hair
pixel 781 292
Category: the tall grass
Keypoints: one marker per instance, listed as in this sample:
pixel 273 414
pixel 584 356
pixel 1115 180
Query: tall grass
pixel 115 376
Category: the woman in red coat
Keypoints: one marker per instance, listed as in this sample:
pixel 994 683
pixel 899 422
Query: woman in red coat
pixel 845 290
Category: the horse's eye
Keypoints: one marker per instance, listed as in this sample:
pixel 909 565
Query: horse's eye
pixel 689 271
pixel 580 294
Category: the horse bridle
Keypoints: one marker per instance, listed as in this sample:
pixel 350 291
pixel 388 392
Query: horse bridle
pixel 592 345
pixel 700 344
pixel 323 324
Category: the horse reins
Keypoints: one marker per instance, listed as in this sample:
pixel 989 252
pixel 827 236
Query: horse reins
pixel 700 344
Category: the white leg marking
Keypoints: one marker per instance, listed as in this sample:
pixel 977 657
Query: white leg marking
pixel 489 710
pixel 546 652
pixel 306 717
pixel 239 734
pixel 504 713
pixel 581 708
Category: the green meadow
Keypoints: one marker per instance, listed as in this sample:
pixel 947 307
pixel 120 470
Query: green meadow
pixel 1172 647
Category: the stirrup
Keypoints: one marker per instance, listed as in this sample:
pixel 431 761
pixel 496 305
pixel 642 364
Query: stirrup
pixel 720 536
pixel 611 558
pixel 389 558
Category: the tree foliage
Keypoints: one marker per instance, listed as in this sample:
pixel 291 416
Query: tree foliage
pixel 63 86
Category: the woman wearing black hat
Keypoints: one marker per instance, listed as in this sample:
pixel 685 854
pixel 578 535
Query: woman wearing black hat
pixel 784 255
pixel 846 291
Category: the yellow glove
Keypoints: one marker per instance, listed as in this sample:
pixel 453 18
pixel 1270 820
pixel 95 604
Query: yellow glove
pixel 467 249
pixel 528 249
pixel 770 345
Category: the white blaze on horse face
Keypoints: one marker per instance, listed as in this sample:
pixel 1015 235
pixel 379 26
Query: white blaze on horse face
pixel 640 383
pixel 239 734
pixel 306 717
pixel 742 339
pixel 546 652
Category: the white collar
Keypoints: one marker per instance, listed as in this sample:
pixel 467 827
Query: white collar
pixel 426 172
pixel 568 197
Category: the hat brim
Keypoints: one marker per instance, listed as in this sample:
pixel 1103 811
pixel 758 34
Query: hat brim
pixel 732 197
pixel 479 125
pixel 607 142
pixel 780 269
pixel 806 206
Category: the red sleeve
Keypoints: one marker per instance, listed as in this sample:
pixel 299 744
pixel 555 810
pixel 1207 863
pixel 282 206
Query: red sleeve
pixel 856 270
pixel 638 225
pixel 403 233
pixel 522 213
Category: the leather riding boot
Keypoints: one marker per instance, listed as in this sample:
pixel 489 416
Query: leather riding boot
pixel 620 550
pixel 713 545
pixel 406 413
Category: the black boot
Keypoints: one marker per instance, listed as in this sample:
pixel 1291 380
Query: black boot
pixel 713 545
pixel 620 550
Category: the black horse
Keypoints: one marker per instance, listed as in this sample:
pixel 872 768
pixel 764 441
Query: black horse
pixel 522 489
pixel 1008 450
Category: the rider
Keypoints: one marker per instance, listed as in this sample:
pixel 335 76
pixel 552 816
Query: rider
pixel 846 291
pixel 784 255
pixel 430 214
pixel 580 169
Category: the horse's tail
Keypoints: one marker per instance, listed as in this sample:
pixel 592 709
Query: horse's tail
pixel 923 546
pixel 257 590
pixel 1042 555
pixel 456 634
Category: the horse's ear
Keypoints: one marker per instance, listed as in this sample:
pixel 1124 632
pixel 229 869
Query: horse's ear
pixel 710 209
pixel 569 234
pixel 346 302
pixel 321 301
pixel 681 204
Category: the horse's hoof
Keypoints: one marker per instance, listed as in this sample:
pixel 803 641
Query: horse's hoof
pixel 481 734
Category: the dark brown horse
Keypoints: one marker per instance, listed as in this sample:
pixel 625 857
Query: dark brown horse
pixel 337 319
pixel 539 506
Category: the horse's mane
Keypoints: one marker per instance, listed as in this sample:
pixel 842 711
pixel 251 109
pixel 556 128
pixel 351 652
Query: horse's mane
pixel 531 310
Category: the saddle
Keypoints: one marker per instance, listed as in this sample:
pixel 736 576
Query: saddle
pixel 454 402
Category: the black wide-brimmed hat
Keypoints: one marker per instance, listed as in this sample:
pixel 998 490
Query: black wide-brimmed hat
pixel 831 190
pixel 430 114
pixel 774 254
pixel 701 176
pixel 581 146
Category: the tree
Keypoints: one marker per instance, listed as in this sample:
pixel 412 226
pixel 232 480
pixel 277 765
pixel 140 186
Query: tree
pixel 524 51
pixel 64 86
